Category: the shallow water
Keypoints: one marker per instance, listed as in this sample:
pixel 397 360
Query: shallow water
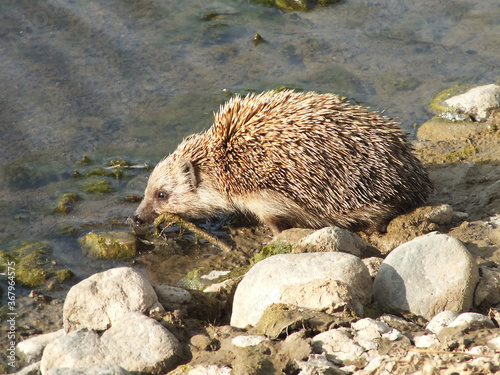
pixel 129 79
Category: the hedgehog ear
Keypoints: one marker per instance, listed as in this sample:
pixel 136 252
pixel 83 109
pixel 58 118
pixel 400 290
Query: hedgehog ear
pixel 189 171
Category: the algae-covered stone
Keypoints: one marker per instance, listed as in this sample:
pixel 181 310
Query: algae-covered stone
pixel 33 263
pixel 98 186
pixel 109 245
pixel 66 203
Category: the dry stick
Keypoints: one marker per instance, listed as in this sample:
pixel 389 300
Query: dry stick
pixel 170 219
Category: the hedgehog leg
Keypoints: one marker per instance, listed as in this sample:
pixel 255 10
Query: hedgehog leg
pixel 277 224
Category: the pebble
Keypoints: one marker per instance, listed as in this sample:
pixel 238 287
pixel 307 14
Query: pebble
pixel 425 341
pixel 443 319
pixel 104 298
pixel 268 280
pixel 248 340
pixel 414 277
pixel 373 265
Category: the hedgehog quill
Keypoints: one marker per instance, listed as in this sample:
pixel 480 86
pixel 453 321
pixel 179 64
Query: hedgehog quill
pixel 292 160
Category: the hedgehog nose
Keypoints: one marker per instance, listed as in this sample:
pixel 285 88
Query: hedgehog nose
pixel 136 219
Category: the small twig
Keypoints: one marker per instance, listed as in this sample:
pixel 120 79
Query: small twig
pixel 170 219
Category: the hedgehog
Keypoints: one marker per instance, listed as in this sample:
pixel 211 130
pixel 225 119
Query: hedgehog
pixel 291 159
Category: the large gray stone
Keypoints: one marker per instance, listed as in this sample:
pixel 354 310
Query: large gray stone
pixel 267 282
pixel 427 275
pixel 103 298
pixel 136 343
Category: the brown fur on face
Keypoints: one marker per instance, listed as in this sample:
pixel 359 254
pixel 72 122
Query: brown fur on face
pixel 291 159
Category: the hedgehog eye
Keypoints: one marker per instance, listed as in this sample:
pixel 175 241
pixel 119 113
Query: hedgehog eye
pixel 162 195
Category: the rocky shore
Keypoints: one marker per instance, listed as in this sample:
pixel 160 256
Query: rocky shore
pixel 424 298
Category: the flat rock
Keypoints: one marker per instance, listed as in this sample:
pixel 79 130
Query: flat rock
pixel 103 298
pixel 136 343
pixel 266 281
pixel 439 129
pixel 427 275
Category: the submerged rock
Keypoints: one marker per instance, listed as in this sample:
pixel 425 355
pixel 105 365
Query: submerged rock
pixel 268 280
pixel 102 299
pixel 427 275
pixel 109 245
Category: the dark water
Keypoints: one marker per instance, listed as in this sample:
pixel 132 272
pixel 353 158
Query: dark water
pixel 129 79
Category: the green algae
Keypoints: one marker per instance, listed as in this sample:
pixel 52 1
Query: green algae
pixel 64 275
pixel 437 104
pixel 109 245
pixel 273 248
pixel 66 203
pixel 297 5
pixel 98 186
pixel 33 264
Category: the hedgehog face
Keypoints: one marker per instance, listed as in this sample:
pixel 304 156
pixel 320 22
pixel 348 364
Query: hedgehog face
pixel 177 186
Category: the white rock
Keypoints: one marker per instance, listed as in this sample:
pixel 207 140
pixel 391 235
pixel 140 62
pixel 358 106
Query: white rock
pixel 333 239
pixel 248 340
pixel 318 364
pixel 472 321
pixel 476 102
pixel 427 275
pixel 172 297
pixel 425 341
pixel 103 298
pixel 373 265
pixel 441 214
pixel 373 327
pixel 76 350
pixel 265 281
pixel 33 369
pixel 339 346
pixel 135 342
pixel 494 343
pixel 31 349
pixel 210 370
pixel 393 335
pixel 322 295
pixel 443 319
pixel 97 370
pixel 488 289
pixel 215 274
